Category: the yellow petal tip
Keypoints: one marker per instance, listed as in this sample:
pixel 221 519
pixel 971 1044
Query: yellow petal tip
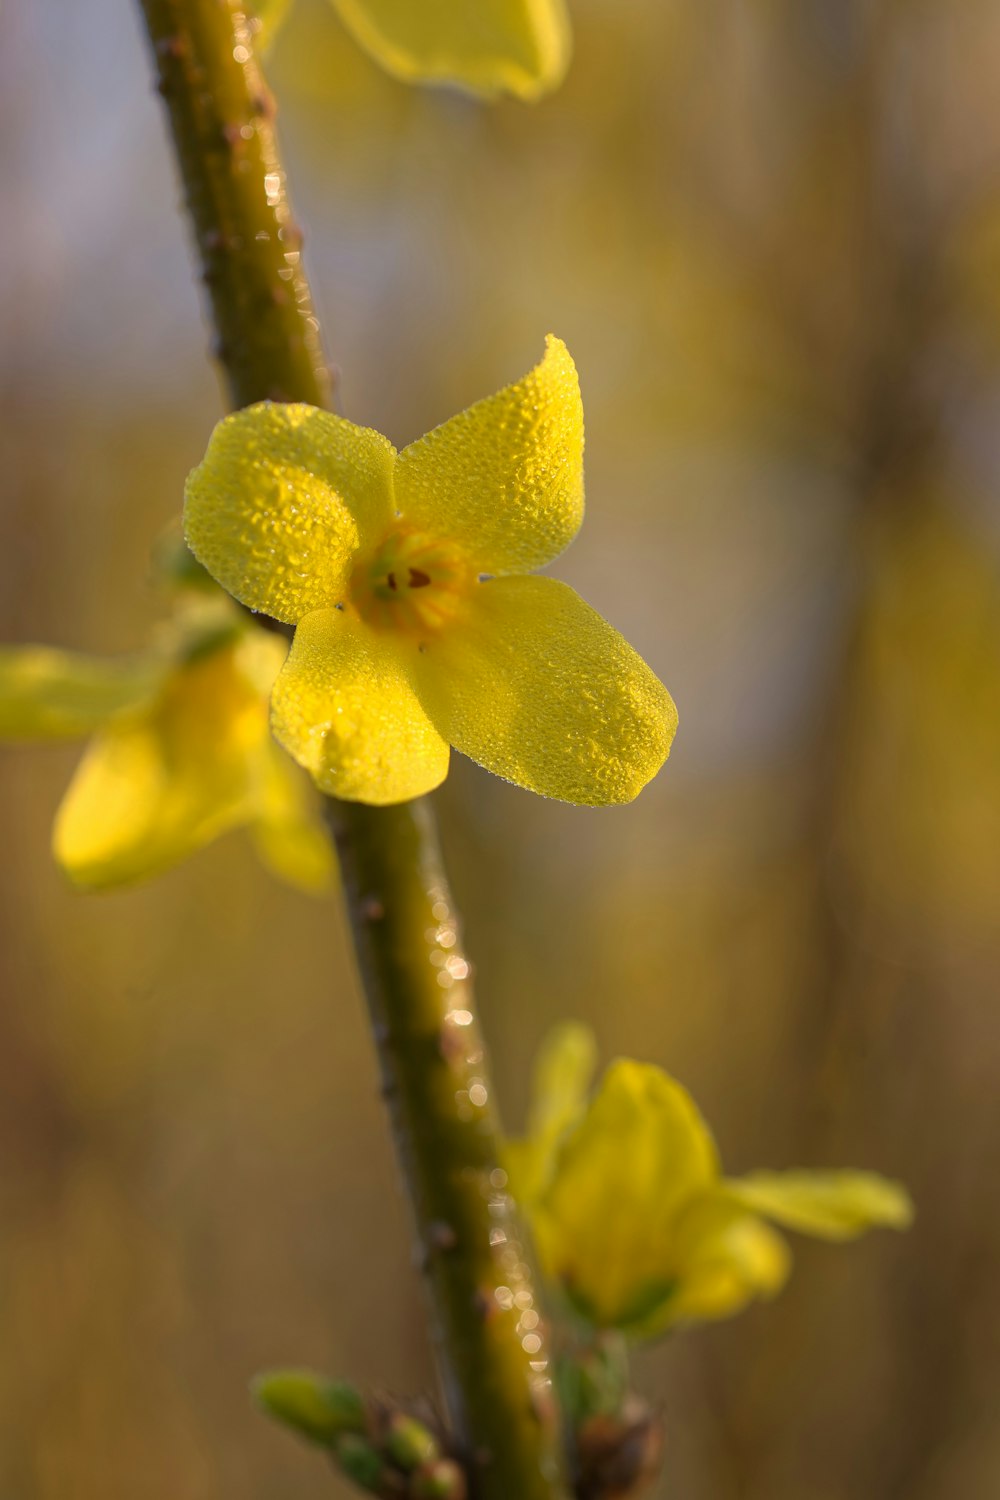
pixel 494 47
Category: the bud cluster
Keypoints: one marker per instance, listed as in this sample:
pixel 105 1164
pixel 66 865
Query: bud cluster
pixel 385 1449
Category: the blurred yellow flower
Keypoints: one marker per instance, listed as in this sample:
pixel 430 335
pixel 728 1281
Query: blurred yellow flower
pixel 407 642
pixel 631 1214
pixel 489 47
pixel 180 751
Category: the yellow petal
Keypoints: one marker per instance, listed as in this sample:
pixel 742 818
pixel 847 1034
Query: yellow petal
pixel 49 694
pixel 346 708
pixel 723 1259
pixel 606 1224
pixel 830 1205
pixel 285 825
pixel 271 15
pixel 286 830
pixel 153 788
pixel 285 496
pixel 490 47
pixel 257 658
pixel 504 479
pixel 534 685
pixel 562 1074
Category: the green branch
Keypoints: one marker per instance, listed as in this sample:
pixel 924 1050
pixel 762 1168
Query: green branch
pixel 488 1331
pixel 490 1339
pixel 249 245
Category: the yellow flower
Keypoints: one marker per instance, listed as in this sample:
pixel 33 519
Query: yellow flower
pixel 489 47
pixel 180 753
pixel 417 628
pixel 631 1214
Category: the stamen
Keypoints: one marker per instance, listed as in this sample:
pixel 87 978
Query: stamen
pixel 409 582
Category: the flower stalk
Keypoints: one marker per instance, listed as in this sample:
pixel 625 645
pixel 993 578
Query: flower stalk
pixel 488 1330
pixel 221 115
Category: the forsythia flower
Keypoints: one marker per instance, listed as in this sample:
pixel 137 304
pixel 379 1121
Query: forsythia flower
pixel 489 47
pixel 417 625
pixel 180 751
pixel 631 1214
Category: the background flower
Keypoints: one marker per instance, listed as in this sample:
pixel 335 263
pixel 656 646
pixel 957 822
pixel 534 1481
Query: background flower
pixel 180 751
pixel 488 47
pixel 631 1213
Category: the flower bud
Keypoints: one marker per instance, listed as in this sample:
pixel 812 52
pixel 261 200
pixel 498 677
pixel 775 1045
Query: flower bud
pixel 319 1409
pixel 360 1462
pixel 443 1479
pixel 409 1443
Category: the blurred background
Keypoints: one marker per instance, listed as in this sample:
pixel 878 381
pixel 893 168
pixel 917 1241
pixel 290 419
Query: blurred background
pixel 770 234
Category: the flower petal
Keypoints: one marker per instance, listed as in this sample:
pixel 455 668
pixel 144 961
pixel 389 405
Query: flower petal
pixel 504 479
pixel 271 15
pixel 606 1224
pixel 520 47
pixel 285 496
pixel 49 694
pixel 538 688
pixel 724 1258
pixel 153 788
pixel 346 708
pixel 286 831
pixel 830 1205
pixel 563 1070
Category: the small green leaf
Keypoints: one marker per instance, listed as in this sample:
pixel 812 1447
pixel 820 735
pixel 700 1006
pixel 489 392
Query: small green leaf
pixel 594 1380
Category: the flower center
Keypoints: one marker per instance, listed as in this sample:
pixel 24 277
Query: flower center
pixel 410 582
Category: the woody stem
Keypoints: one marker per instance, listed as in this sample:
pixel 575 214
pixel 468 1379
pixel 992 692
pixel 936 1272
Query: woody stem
pixel 490 1340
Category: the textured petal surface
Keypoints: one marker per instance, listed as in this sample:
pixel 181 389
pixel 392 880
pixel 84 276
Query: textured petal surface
pixel 830 1205
pixel 152 789
pixel 346 708
pixel 520 47
pixel 538 688
pixel 606 1225
pixel 286 830
pixel 285 496
pixel 504 479
pixel 49 694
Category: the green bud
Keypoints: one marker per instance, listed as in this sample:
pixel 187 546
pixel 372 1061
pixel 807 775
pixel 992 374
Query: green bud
pixel 409 1443
pixel 443 1479
pixel 594 1380
pixel 360 1461
pixel 201 644
pixel 319 1409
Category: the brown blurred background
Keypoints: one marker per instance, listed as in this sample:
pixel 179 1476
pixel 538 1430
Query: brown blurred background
pixel 770 234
